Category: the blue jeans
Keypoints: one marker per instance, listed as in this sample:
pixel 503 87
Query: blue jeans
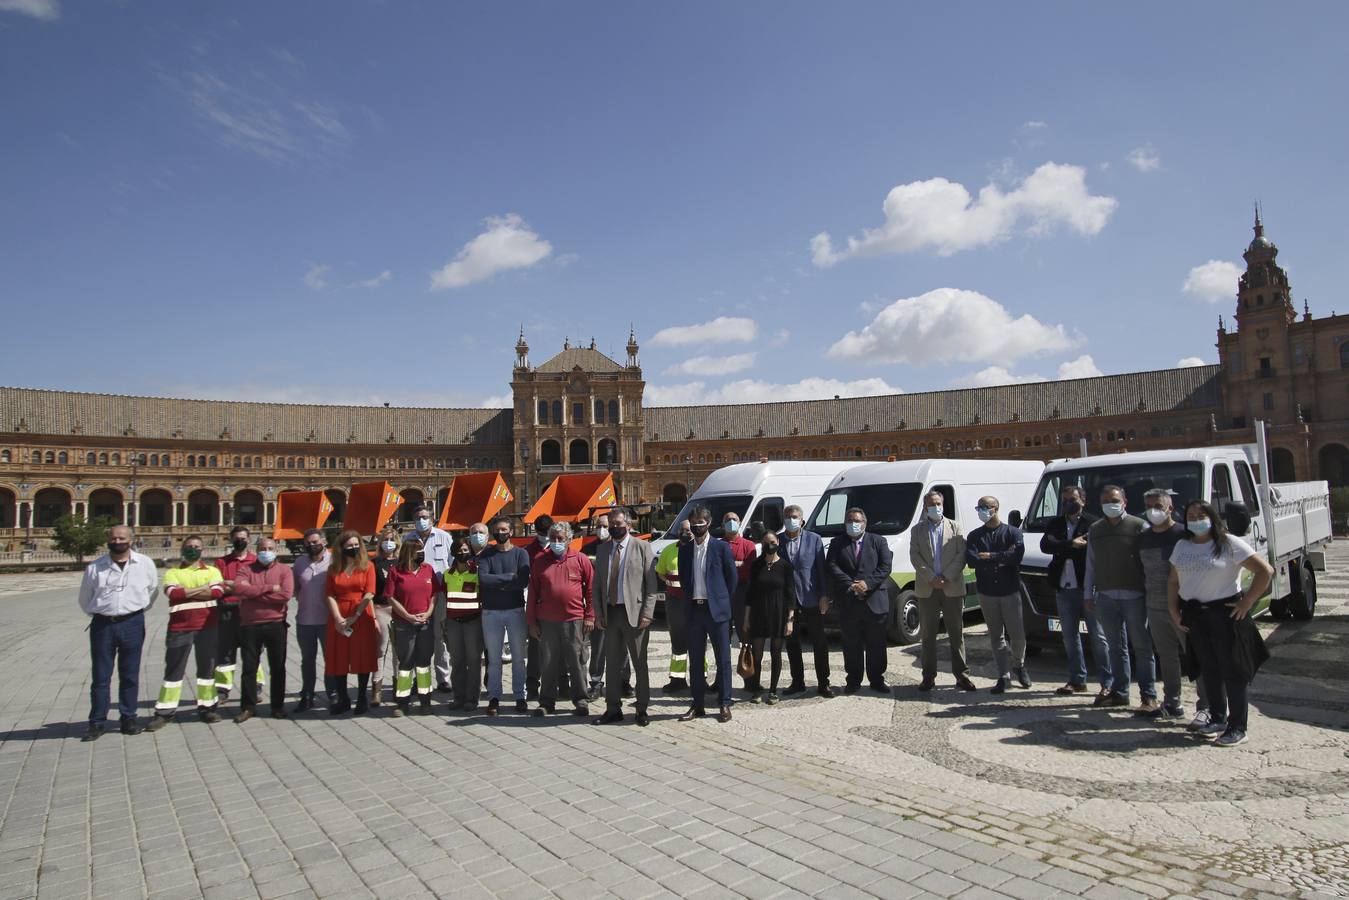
pixel 701 628
pixel 497 625
pixel 121 642
pixel 1125 626
pixel 311 638
pixel 1072 611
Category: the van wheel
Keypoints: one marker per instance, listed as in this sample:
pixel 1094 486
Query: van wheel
pixel 904 622
pixel 1302 599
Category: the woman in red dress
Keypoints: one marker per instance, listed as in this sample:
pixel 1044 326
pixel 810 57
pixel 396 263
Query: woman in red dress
pixel 353 638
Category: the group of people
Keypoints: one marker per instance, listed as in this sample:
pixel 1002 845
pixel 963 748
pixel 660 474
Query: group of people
pixel 445 605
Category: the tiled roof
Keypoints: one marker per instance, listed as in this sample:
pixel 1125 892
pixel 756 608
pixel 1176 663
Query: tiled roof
pixel 1110 395
pixel 109 415
pixel 588 359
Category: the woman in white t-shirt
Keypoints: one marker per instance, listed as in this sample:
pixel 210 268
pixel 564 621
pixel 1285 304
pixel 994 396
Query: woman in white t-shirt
pixel 1206 602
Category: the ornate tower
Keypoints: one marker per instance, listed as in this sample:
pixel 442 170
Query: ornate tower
pixel 1262 292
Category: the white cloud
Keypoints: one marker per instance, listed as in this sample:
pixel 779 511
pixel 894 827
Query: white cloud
pixel 507 243
pixel 1213 281
pixel 1082 367
pixel 749 390
pixel 1144 159
pixel 1189 362
pixel 1034 125
pixel 780 337
pixel 950 325
pixel 721 330
pixel 48 10
pixel 940 215
pixel 993 376
pixel 253 112
pixel 500 401
pixel 316 277
pixel 382 278
pixel 713 365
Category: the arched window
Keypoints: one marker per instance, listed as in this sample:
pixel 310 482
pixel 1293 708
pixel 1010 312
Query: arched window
pixel 613 412
pixel 557 413
pixel 214 462
pixel 578 414
pixel 51 458
pixel 63 458
pixel 90 459
pixel 257 462
pixel 543 412
pixel 5 456
pixel 550 454
pixel 103 459
pixel 578 453
pixel 248 462
pixel 299 463
pixel 702 458
pixel 323 462
pixel 117 459
pixel 191 461
pixel 599 412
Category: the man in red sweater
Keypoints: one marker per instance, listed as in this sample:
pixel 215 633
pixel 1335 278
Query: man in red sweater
pixel 744 551
pixel 560 617
pixel 228 639
pixel 264 590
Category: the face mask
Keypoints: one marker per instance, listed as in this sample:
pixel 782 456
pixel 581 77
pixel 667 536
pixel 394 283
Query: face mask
pixel 389 546
pixel 984 513
pixel 350 552
pixel 559 548
pixel 266 557
pixel 424 524
pixel 730 527
pixel 603 534
pixel 239 544
pixel 1199 527
pixel 314 550
pixel 543 540
pixel 462 555
pixel 191 554
pixel 794 523
pixel 503 537
pixel 854 529
pixel 118 547
pixel 698 530
pixel 419 558
pixel 934 513
pixel 770 549
pixel 1112 510
pixel 478 540
pixel 618 532
pixel 1158 516
pixel 1071 507
pixel 685 537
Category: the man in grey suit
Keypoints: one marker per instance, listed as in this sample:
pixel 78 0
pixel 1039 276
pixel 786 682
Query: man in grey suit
pixel 937 554
pixel 625 601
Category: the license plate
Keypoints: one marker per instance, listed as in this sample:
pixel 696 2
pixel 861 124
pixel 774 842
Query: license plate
pixel 1056 625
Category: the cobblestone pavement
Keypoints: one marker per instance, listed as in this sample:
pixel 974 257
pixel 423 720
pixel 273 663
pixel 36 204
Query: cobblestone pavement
pixel 946 794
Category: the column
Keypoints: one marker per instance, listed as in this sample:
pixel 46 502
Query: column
pixel 534 404
pixel 220 513
pixel 620 407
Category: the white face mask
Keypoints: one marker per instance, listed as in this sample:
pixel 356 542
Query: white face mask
pixel 1112 510
pixel 603 534
pixel 424 523
pixel 794 523
pixel 389 546
pixel 1158 516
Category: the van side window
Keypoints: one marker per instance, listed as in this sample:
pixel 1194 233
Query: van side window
pixel 1220 490
pixel 768 511
pixel 1247 484
pixel 948 494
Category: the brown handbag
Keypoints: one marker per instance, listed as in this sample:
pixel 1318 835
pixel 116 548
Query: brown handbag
pixel 746 667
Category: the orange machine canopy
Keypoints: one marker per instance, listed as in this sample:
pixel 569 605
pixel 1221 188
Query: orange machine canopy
pixel 371 505
pixel 474 497
pixel 298 511
pixel 570 498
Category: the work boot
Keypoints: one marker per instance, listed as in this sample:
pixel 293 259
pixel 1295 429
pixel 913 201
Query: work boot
pixel 425 705
pixel 208 715
pixel 158 722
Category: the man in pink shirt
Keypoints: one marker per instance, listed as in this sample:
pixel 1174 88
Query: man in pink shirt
pixel 560 617
pixel 264 590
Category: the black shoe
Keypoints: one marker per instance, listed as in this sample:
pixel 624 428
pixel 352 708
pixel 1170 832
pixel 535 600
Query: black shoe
pixel 444 688
pixel 279 714
pixel 580 709
pixel 627 692
pixel 1022 676
pixel 675 686
pixel 609 718
pixel 695 712
pixel 927 684
pixel 425 708
pixel 851 688
pixel 521 706
pixel 963 682
pixel 880 687
pixel 1002 685
pixel 825 691
pixel 209 716
pixel 362 705
pixel 725 715
pixel 596 691
pixel 642 718
pixel 244 715
pixel 795 687
pixel 131 726
pixel 304 706
pixel 94 733
pixel 339 707
pixel 493 707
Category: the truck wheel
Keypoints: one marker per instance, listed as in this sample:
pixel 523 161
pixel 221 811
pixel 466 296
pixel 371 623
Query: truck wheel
pixel 1302 600
pixel 903 625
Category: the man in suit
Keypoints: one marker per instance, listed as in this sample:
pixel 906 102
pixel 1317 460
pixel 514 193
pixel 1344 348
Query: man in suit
pixel 708 576
pixel 625 602
pixel 858 564
pixel 1065 540
pixel 805 551
pixel 937 554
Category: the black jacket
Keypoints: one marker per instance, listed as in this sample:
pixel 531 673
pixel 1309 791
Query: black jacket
pixel 1249 652
pixel 1056 541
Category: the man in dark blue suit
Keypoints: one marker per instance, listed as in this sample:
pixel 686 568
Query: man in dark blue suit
pixel 708 576
pixel 858 564
pixel 805 551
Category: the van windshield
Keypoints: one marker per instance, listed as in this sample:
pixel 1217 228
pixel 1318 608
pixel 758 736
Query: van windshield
pixel 889 507
pixel 1182 479
pixel 720 506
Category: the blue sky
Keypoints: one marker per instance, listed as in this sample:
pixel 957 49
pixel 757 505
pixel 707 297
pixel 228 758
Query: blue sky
pixel 362 202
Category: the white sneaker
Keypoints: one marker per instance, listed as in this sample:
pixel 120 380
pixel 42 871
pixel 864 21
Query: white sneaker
pixel 506 653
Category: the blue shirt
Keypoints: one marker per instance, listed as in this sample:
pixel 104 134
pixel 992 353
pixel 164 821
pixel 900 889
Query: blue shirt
pixel 1000 575
pixel 934 534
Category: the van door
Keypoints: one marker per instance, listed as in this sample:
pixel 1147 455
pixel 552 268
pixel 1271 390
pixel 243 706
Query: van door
pixel 1257 537
pixel 765 517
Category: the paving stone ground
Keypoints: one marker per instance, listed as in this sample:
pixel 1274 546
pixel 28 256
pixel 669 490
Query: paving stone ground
pixel 911 795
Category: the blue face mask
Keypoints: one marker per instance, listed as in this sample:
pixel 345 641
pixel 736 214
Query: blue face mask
pixel 424 524
pixel 1199 527
pixel 934 513
pixel 984 513
pixel 854 529
pixel 794 523
pixel 478 540
pixel 266 557
pixel 730 527
pixel 1112 510
pixel 559 548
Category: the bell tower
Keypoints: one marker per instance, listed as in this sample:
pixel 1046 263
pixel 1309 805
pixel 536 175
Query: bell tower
pixel 1262 291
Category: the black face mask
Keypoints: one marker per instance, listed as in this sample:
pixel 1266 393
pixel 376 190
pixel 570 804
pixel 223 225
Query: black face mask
pixel 502 538
pixel 462 555
pixel 1071 507
pixel 314 550
pixel 419 558
pixel 351 551
pixel 770 549
pixel 239 544
pixel 118 547
pixel 685 537
pixel 618 532
pixel 698 530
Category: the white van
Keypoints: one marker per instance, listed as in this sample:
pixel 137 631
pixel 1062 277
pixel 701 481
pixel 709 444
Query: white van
pixel 891 494
pixel 758 492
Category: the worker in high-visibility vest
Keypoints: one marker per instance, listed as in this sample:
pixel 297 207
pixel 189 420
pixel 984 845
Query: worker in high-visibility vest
pixel 676 612
pixel 193 588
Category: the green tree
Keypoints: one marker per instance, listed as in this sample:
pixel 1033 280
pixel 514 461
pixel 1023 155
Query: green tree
pixel 78 537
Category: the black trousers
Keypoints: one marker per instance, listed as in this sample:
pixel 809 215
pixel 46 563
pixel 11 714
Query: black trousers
pixel 1214 637
pixel 253 639
pixel 864 642
pixel 808 621
pixel 229 639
